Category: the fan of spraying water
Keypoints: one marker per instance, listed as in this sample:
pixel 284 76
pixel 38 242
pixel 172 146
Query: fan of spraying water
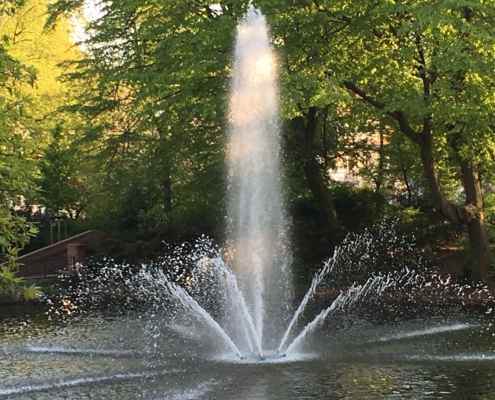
pixel 198 295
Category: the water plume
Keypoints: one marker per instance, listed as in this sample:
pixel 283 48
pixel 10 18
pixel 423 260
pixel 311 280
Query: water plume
pixel 256 217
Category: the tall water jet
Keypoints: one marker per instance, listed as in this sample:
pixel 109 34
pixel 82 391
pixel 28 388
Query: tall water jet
pixel 256 218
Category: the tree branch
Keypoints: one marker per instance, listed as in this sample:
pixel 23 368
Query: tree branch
pixel 399 116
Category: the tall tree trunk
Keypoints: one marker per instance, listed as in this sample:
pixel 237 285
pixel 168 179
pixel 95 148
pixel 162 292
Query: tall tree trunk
pixel 475 218
pixel 449 210
pixel 471 215
pixel 307 129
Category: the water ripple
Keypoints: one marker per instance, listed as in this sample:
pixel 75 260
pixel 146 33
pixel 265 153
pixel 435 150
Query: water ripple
pixel 5 392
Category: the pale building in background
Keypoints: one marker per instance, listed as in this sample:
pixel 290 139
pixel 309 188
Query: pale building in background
pixel 349 169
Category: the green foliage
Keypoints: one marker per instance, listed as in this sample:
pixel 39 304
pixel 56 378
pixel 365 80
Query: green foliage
pixel 9 7
pixel 61 187
pixel 431 59
pixel 14 288
pixel 31 292
pixel 138 147
pixel 9 283
pixel 358 208
pixel 15 233
pixel 15 152
pixel 151 113
pixel 28 92
pixel 430 229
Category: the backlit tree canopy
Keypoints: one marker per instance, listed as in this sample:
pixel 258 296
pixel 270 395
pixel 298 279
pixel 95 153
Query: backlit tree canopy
pixel 400 92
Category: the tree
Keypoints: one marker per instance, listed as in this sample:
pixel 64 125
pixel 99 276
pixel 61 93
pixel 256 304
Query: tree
pixel 306 130
pixel 424 69
pixel 15 174
pixel 60 186
pixel 155 79
pixel 436 94
pixel 14 167
pixel 28 95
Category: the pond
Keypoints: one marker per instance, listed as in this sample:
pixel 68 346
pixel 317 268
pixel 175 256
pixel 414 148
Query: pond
pixel 128 357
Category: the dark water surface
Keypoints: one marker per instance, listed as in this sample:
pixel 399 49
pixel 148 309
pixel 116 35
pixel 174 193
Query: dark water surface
pixel 129 357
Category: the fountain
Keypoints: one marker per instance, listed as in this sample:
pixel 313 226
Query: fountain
pixel 241 296
pixel 256 282
pixel 256 217
pixel 209 322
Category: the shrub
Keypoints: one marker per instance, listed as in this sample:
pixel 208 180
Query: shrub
pixel 357 207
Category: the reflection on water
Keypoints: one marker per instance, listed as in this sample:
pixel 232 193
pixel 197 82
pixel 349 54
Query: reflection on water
pixel 110 358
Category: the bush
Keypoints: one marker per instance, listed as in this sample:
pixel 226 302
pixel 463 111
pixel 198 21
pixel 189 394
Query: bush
pixel 14 288
pixel 428 227
pixel 357 207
